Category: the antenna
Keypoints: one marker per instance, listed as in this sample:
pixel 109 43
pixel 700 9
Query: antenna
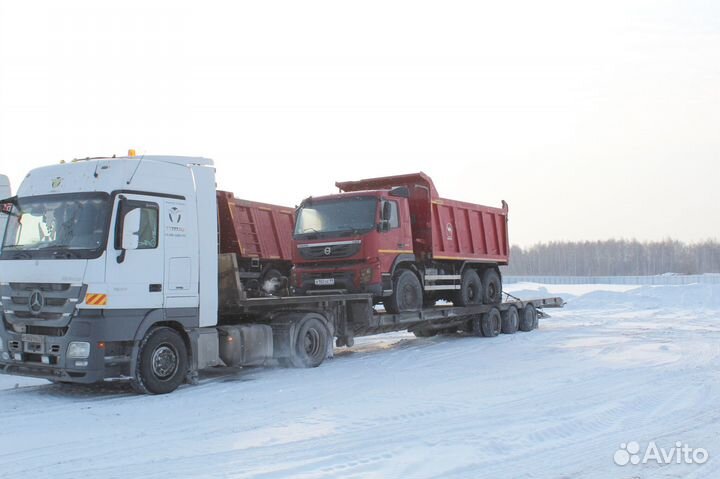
pixel 131 154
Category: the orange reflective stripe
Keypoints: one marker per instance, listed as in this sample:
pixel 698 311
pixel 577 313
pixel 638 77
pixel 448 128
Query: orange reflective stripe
pixel 96 299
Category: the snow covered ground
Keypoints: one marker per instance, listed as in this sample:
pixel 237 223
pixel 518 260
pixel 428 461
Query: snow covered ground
pixel 618 364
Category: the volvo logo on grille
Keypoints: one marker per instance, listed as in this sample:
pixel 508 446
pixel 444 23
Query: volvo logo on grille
pixel 37 301
pixel 327 251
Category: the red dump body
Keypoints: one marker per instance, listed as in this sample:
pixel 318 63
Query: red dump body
pixel 445 229
pixel 255 230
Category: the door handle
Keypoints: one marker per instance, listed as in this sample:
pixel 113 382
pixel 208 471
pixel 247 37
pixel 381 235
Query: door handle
pixel 155 288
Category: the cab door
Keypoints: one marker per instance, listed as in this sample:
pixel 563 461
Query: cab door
pixel 134 277
pixel 395 238
pixel 181 254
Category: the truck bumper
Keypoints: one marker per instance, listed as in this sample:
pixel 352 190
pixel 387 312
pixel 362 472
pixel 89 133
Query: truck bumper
pixel 46 356
pixel 51 373
pixel 335 281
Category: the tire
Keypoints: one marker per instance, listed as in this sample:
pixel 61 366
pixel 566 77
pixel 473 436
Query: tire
pixel 510 320
pixel 162 362
pixel 311 343
pixel 474 326
pixel 492 287
pixel 491 322
pixel 407 293
pixel 528 318
pixel 471 289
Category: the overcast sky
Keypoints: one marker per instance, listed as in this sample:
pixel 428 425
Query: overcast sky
pixel 593 120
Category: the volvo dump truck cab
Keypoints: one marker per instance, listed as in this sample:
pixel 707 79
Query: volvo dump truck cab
pixel 394 237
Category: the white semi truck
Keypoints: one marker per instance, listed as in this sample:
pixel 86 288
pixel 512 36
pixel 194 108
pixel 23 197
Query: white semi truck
pixel 110 270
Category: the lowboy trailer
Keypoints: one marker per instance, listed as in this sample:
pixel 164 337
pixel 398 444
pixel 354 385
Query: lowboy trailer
pixel 115 269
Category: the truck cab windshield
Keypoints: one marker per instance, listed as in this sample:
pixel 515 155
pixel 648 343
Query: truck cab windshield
pixel 336 217
pixel 57 226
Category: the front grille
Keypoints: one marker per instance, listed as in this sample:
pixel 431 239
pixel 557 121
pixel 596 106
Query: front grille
pixel 341 250
pixel 45 331
pixel 40 301
pixel 29 315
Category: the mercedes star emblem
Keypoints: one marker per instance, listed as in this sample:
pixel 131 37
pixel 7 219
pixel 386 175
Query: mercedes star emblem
pixel 36 302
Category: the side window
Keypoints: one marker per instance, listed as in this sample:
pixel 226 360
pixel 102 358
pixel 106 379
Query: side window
pixel 148 227
pixel 149 223
pixel 394 216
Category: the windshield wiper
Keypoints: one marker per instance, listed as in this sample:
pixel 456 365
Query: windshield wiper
pixel 68 253
pixel 61 249
pixel 348 229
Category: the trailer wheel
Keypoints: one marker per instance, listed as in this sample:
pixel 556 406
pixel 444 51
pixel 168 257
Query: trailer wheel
pixel 407 293
pixel 162 362
pixel 528 318
pixel 492 287
pixel 510 320
pixel 491 323
pixel 311 343
pixel 471 289
pixel 474 326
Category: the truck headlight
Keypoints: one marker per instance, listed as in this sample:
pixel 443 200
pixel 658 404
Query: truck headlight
pixel 366 275
pixel 79 350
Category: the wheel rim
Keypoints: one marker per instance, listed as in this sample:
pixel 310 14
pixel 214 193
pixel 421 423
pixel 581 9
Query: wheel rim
pixel 409 297
pixel 472 293
pixel 311 342
pixel 492 291
pixel 164 361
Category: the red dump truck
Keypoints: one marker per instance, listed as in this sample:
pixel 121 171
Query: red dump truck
pixel 396 238
pixel 258 236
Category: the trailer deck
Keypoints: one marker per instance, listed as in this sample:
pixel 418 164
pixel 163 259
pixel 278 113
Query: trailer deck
pixel 354 315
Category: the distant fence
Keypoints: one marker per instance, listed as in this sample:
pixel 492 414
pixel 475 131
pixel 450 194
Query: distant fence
pixel 660 280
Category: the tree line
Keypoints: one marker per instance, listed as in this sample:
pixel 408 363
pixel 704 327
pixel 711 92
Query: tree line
pixel 615 257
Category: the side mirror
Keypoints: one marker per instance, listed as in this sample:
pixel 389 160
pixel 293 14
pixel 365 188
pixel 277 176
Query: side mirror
pixel 7 204
pixel 386 211
pixel 131 229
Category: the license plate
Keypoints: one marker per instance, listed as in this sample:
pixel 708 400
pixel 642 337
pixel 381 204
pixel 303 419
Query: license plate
pixel 32 338
pixel 324 281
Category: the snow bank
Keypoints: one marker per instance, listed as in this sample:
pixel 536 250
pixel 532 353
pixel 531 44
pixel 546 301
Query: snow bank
pixel 612 296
